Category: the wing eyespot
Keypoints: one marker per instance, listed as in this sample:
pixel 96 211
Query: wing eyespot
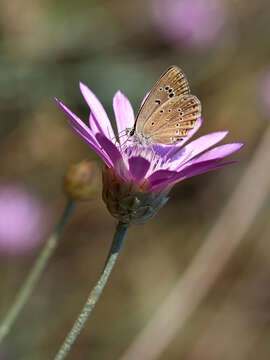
pixel 180 111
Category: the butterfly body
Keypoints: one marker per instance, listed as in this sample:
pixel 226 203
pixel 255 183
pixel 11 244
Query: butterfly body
pixel 169 111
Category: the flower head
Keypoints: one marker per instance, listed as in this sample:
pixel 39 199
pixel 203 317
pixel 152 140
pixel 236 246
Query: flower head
pixel 22 222
pixel 138 178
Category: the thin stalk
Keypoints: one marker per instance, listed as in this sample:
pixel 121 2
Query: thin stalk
pixel 35 273
pixel 94 295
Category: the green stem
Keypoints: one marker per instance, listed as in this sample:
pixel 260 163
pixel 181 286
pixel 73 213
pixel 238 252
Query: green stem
pixel 35 273
pixel 94 295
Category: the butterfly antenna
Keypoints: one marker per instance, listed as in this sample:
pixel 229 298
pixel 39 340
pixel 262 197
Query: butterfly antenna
pixel 115 138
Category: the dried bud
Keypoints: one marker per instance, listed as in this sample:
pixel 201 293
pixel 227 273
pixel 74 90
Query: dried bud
pixel 129 203
pixel 81 180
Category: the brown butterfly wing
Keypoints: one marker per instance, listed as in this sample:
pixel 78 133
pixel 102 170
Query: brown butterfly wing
pixel 172 83
pixel 173 121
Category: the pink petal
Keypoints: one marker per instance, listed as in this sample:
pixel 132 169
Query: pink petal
pixel 78 122
pixel 97 150
pixel 163 150
pixel 196 147
pixel 193 172
pixel 122 170
pixel 124 114
pixel 84 132
pixel 219 152
pixel 200 168
pixel 109 147
pixel 138 167
pixel 98 111
pixel 94 124
pixel 161 176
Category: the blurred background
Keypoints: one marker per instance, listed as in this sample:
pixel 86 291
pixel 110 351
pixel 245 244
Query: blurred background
pixel 46 47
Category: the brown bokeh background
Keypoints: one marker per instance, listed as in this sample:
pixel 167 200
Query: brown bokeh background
pixel 46 47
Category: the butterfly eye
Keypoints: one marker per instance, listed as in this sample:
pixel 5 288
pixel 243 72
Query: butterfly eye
pixel 171 95
pixel 160 89
pixel 169 110
pixel 161 111
pixel 177 124
pixel 153 123
pixel 167 88
pixel 158 102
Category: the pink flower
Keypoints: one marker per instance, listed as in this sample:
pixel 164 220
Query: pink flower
pixel 195 23
pixel 21 220
pixel 148 170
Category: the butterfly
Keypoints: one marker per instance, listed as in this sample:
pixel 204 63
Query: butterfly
pixel 169 112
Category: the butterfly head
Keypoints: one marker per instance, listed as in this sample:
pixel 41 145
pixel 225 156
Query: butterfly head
pixel 136 138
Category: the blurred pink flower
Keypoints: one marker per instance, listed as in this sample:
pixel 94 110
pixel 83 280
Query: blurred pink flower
pixel 194 23
pixel 22 220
